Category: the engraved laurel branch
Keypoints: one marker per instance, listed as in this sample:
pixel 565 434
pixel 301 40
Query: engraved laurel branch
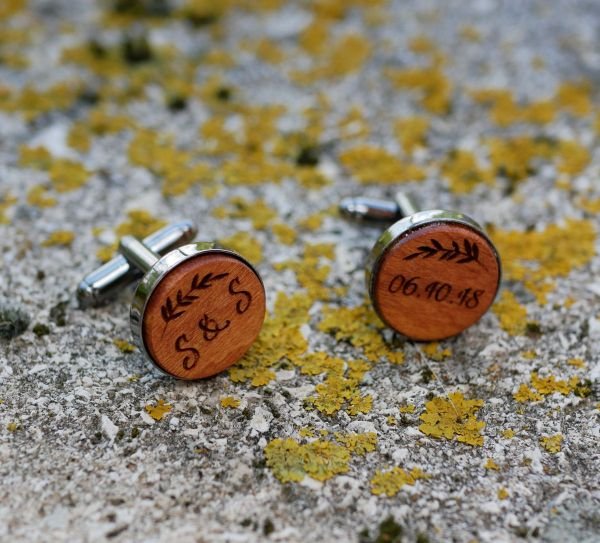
pixel 469 254
pixel 171 311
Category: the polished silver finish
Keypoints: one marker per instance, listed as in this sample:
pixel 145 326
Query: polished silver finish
pixel 137 253
pixel 369 209
pixel 100 285
pixel 156 274
pixel 377 210
pixel 406 204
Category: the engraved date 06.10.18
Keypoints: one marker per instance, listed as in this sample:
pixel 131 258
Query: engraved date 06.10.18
pixel 436 291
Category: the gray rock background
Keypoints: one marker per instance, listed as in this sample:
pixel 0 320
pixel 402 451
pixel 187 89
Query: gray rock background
pixel 86 463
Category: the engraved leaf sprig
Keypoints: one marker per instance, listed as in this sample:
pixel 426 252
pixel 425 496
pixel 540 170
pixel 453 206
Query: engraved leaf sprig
pixel 171 311
pixel 468 253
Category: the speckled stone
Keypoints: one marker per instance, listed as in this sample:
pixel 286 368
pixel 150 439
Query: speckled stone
pixel 82 460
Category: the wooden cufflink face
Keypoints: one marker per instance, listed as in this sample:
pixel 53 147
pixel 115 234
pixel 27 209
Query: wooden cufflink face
pixel 433 274
pixel 198 310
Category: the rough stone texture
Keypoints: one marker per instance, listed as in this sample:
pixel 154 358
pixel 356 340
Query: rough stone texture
pixel 81 460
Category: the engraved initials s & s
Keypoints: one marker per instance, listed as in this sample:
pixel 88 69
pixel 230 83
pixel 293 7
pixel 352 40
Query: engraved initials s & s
pixel 195 354
pixel 242 304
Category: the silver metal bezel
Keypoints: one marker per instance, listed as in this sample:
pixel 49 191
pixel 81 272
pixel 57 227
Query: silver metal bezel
pixel 407 225
pixel 155 275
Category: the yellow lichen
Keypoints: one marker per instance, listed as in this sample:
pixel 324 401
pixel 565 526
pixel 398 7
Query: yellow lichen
pixel 508 433
pixel 535 257
pixel 10 8
pixel 257 211
pixel 13 426
pixel 511 314
pixel 407 409
pixel 245 244
pixel 314 38
pixel 124 346
pixel 79 138
pixel 514 158
pixel 389 483
pixel 543 386
pixel 526 394
pixel 359 444
pixel 230 402
pixel 268 51
pixel 369 164
pixel 280 339
pixel 291 462
pixel 553 444
pixel 463 172
pixel 311 179
pixel 422 45
pixel 491 464
pixel 339 390
pixel 434 351
pixel 503 493
pixel 505 111
pixel 307 431
pixel 411 132
pixel 347 55
pixel 591 206
pixel 38 196
pixel 59 237
pixel 254 168
pixel 361 328
pixel 470 33
pixel 67 175
pixel 6 201
pixel 178 169
pixel 573 156
pixel 285 233
pixel 312 222
pixel 99 122
pixel 550 384
pixel 32 103
pixel 35 157
pixel 354 124
pixel 140 224
pixel 576 362
pixel 451 417
pixel 310 270
pixel 158 410
pixel 574 97
pixel 433 86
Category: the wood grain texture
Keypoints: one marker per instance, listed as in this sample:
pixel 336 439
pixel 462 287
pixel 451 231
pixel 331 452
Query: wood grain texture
pixel 435 281
pixel 203 315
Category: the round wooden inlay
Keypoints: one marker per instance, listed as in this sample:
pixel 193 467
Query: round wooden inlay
pixel 203 315
pixel 436 280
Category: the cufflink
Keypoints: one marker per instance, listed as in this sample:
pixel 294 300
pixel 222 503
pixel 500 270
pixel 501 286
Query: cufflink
pixel 197 308
pixel 431 274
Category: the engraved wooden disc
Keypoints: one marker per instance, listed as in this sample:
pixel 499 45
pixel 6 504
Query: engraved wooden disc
pixel 203 315
pixel 436 280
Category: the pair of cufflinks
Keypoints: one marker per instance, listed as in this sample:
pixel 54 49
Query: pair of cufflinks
pixel 199 307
